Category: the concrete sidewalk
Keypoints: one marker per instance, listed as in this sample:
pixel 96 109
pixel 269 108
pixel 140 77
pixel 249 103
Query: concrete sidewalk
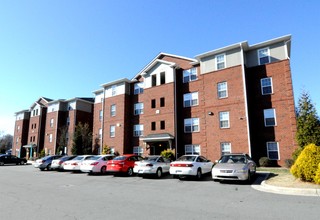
pixel 276 186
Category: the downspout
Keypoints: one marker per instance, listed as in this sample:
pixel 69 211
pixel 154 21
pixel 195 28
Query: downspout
pixel 175 111
pixel 102 120
pixel 245 98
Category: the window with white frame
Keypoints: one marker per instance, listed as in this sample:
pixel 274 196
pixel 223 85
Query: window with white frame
pixel 100 133
pixel 273 150
pixel 224 119
pixel 68 121
pixel 225 148
pixel 222 90
pixel 190 75
pixel 192 149
pixel 100 115
pixel 138 130
pixel 266 86
pixel 113 110
pixel 138 108
pixel 190 99
pixel 51 122
pixel 221 61
pixel 112 130
pixel 112 150
pixel 264 56
pixel 191 125
pixel 114 90
pixel 138 150
pixel 50 138
pixel 269 117
pixel 138 88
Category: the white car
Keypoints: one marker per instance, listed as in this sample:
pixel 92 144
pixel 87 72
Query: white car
pixel 152 165
pixel 74 164
pixel 96 164
pixel 190 165
pixel 234 167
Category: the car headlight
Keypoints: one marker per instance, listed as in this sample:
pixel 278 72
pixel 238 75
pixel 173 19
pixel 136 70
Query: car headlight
pixel 241 171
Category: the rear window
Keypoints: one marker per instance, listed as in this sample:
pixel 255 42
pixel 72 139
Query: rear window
pixel 120 158
pixel 187 158
pixel 93 158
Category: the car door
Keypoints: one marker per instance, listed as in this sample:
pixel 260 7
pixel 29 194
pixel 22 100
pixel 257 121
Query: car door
pixel 205 163
pixel 166 165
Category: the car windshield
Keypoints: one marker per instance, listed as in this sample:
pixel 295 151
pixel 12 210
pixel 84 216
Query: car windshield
pixel 78 158
pixel 233 159
pixel 187 158
pixel 150 158
pixel 46 157
pixel 120 158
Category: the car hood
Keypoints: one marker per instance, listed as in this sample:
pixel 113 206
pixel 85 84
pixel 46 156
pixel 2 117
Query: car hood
pixel 230 166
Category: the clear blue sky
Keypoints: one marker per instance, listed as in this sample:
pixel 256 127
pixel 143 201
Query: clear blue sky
pixel 64 49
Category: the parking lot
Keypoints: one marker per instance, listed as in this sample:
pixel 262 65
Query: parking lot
pixel 28 193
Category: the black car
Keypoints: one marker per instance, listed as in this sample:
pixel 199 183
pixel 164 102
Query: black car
pixel 11 159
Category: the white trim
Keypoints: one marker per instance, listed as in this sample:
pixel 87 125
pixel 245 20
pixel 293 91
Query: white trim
pixel 224 60
pixel 219 83
pixel 221 117
pixel 268 52
pixel 265 111
pixel 278 150
pixel 266 86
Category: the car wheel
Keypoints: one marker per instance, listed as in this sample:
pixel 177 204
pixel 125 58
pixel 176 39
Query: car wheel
pixel 159 172
pixel 103 170
pixel 1 163
pixel 42 169
pixel 199 174
pixel 49 166
pixel 249 177
pixel 22 162
pixel 130 171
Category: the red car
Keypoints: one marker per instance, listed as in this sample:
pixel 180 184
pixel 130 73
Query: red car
pixel 123 164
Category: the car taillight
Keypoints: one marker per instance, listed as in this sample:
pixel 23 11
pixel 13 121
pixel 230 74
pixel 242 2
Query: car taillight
pixel 149 165
pixel 74 164
pixel 94 163
pixel 43 161
pixel 60 162
pixel 181 165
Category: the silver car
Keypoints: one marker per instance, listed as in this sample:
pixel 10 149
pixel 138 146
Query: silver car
pixel 234 167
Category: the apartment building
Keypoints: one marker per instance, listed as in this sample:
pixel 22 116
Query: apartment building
pixel 238 98
pixel 49 125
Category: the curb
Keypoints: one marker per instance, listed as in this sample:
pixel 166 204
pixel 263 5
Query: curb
pixel 285 190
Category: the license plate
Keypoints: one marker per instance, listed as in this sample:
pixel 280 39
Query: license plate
pixel 178 171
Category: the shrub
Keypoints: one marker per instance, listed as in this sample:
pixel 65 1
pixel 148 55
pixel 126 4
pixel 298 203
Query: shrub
pixel 317 177
pixel 296 153
pixel 306 165
pixel 105 149
pixel 288 163
pixel 168 154
pixel 266 162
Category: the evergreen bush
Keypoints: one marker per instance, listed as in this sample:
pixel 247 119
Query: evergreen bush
pixel 306 165
pixel 168 154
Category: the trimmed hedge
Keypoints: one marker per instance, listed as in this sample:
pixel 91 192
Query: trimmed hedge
pixel 306 165
pixel 317 177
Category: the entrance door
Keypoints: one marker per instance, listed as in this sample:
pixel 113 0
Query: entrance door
pixel 157 147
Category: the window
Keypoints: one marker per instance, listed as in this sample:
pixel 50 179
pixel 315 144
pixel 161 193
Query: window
pixel 153 126
pixel 192 149
pixel 190 99
pixel 269 117
pixel 264 56
pixel 189 75
pixel 112 150
pixel 113 110
pixel 191 125
pixel 100 115
pixel 18 127
pixel 273 150
pixel 36 111
pixel 221 61
pixel 222 90
pixel 162 102
pixel 138 150
pixel 35 126
pixel 225 148
pixel 224 119
pixel 68 121
pixel 138 108
pixel 114 90
pixel 137 130
pixel 50 138
pixel 154 80
pixel 266 86
pixel 138 88
pixel 162 78
pixel 112 130
pixel 51 122
pixel 162 125
pixel 153 103
pixel 100 133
